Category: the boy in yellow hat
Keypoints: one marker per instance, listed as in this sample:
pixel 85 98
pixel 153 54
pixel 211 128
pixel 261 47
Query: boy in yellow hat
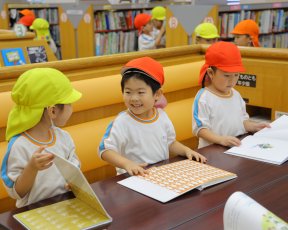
pixel 143 134
pixel 158 19
pixel 206 33
pixel 43 98
pixel 147 39
pixel 219 112
pixel 41 27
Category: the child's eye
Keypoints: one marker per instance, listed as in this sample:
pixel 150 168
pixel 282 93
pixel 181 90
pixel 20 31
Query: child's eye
pixel 127 92
pixel 141 92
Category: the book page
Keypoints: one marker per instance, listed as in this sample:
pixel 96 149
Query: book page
pixel 68 214
pixel 262 149
pixel 168 181
pixel 278 130
pixel 242 212
pixel 78 183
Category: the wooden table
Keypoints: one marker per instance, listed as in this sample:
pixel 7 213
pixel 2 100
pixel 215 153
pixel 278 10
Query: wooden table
pixel 193 210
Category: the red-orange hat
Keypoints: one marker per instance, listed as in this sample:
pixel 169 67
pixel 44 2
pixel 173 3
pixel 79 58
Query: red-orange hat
pixel 225 56
pixel 28 17
pixel 249 27
pixel 149 66
pixel 141 20
pixel 27 12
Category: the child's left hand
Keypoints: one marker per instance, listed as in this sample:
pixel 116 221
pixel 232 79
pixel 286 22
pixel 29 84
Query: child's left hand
pixel 190 154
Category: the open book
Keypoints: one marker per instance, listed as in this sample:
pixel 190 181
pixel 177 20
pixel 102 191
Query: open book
pixel 169 181
pixel 83 212
pixel 242 212
pixel 268 145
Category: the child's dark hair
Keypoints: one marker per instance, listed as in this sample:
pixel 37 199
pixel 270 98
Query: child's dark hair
pixel 204 78
pixel 138 74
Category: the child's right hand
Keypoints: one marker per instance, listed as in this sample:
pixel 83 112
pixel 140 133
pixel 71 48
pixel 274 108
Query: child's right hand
pixel 134 168
pixel 41 161
pixel 229 141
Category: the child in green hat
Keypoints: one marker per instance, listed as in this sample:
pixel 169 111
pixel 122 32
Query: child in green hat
pixel 43 98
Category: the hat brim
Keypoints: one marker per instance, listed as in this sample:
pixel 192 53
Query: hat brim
pixel 232 69
pixel 209 37
pixel 73 97
pixel 160 18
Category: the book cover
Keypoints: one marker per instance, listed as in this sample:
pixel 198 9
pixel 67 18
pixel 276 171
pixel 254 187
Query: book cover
pixel 267 145
pixel 166 182
pixel 37 54
pixel 242 212
pixel 83 212
pixel 13 56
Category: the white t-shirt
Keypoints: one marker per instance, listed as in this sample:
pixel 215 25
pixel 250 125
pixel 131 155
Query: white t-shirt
pixel 141 141
pixel 146 42
pixel 222 115
pixel 48 182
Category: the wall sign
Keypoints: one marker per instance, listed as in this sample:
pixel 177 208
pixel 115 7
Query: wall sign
pixel 247 80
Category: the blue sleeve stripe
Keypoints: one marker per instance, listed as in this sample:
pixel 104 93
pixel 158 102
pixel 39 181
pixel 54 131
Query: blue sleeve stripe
pixel 106 135
pixel 8 182
pixel 196 108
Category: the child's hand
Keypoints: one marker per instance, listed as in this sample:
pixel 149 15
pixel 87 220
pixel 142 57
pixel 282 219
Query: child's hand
pixel 252 126
pixel 258 126
pixel 41 161
pixel 190 154
pixel 229 141
pixel 135 168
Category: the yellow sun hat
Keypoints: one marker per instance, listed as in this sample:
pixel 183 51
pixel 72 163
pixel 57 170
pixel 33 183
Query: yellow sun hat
pixel 41 26
pixel 35 90
pixel 206 30
pixel 159 13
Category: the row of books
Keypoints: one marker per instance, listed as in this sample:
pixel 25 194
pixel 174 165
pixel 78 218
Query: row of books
pixel 274 40
pixel 115 20
pixel 115 42
pixel 269 21
pixel 50 14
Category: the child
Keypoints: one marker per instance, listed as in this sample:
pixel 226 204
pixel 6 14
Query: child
pixel 41 26
pixel 147 39
pixel 206 33
pixel 219 112
pixel 143 134
pixel 43 98
pixel 246 33
pixel 158 19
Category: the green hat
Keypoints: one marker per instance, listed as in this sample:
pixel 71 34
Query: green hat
pixel 206 30
pixel 35 90
pixel 41 26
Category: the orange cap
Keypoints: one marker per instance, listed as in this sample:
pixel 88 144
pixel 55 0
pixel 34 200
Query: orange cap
pixel 141 20
pixel 27 12
pixel 249 27
pixel 225 56
pixel 149 66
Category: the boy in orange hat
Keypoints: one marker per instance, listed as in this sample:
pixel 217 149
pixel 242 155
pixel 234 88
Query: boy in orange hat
pixel 143 134
pixel 219 112
pixel 246 33
pixel 147 39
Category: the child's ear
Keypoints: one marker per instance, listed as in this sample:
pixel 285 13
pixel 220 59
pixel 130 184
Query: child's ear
pixel 51 111
pixel 210 73
pixel 158 94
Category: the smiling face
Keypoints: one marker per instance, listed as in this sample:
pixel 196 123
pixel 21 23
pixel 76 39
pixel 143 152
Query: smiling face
pixel 139 97
pixel 222 82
